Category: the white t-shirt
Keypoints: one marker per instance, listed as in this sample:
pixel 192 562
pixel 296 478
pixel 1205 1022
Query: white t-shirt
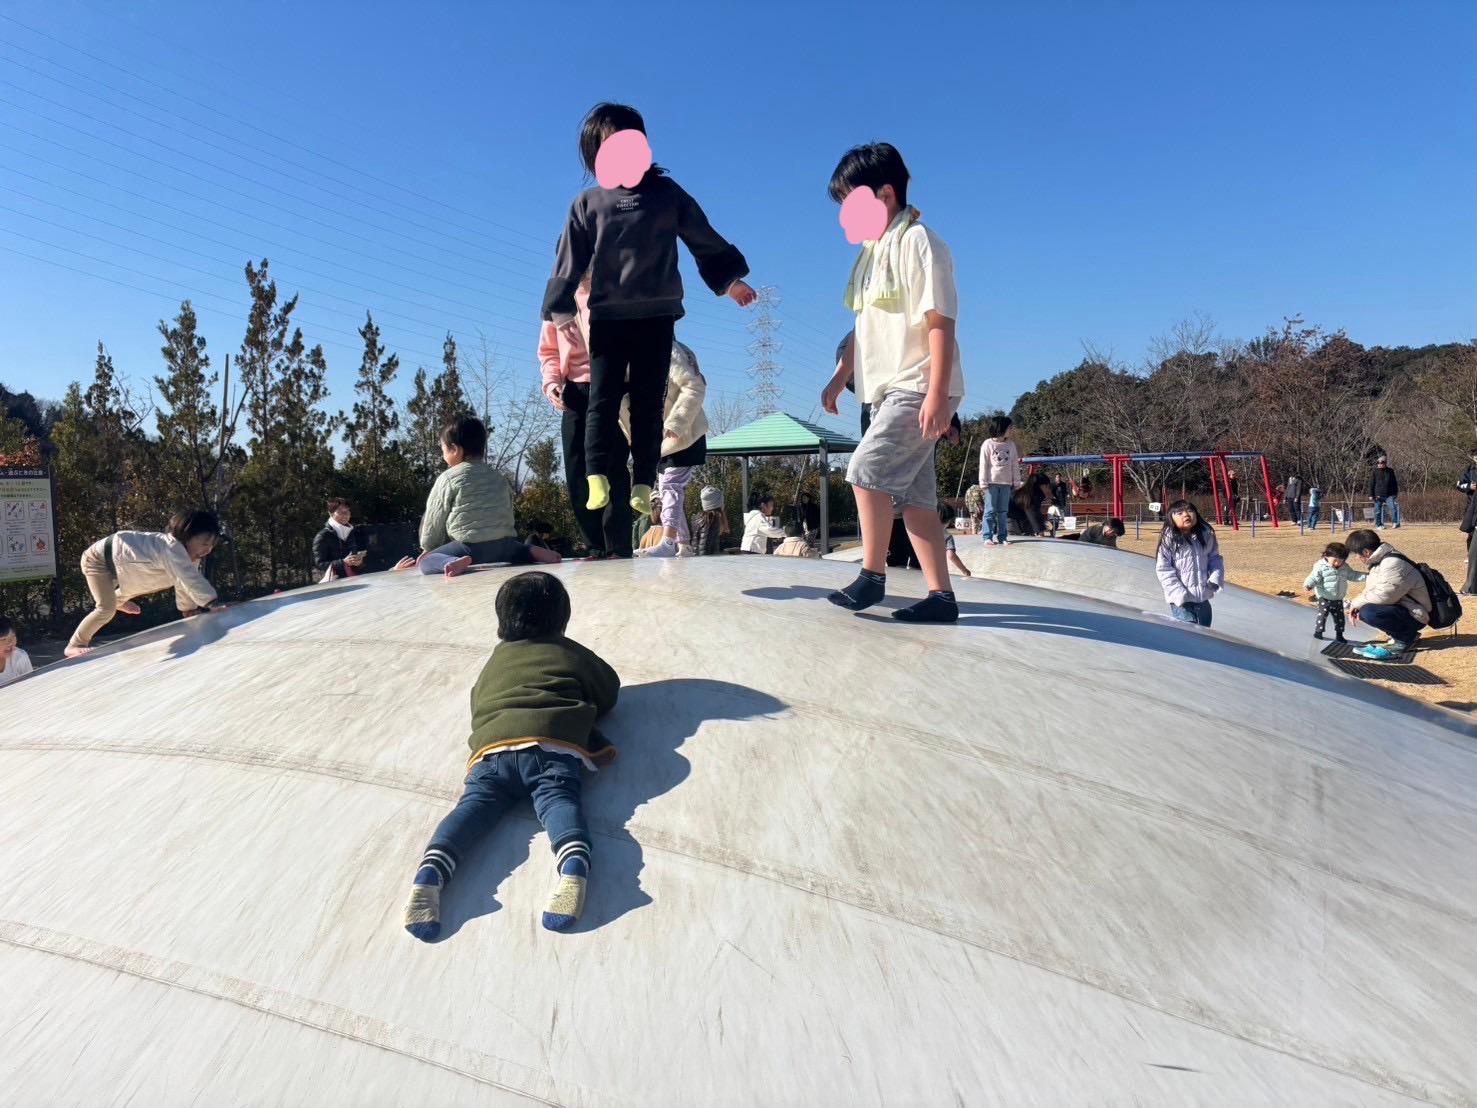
pixel 18 666
pixel 892 337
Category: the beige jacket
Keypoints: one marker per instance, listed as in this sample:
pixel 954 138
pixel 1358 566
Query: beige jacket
pixel 1395 581
pixel 683 416
pixel 149 562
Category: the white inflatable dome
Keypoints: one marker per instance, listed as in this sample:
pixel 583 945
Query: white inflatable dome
pixel 1062 852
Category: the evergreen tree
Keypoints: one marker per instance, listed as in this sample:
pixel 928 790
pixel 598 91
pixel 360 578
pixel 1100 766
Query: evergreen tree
pixel 114 460
pixel 189 431
pixel 382 475
pixel 434 403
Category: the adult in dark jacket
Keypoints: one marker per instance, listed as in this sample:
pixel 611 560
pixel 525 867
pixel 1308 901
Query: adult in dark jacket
pixel 339 549
pixel 1295 498
pixel 1384 487
pixel 1467 482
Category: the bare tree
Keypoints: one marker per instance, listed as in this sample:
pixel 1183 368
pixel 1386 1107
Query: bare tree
pixel 515 410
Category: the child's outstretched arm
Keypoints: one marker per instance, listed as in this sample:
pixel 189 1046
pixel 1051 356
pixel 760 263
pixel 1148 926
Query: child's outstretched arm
pixel 191 589
pixel 571 259
pixel 719 262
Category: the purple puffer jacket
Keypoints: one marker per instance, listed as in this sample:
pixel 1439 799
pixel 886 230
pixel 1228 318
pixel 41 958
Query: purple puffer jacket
pixel 1189 570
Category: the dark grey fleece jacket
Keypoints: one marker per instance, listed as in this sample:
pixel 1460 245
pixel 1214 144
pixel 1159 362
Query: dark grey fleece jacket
pixel 632 236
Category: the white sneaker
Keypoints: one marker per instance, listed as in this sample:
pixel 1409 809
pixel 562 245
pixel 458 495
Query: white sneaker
pixel 664 549
pixel 685 550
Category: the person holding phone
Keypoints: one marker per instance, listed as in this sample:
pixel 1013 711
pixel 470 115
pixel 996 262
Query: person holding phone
pixel 340 549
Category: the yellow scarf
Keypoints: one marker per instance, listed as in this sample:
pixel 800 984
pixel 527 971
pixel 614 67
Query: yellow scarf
pixel 884 285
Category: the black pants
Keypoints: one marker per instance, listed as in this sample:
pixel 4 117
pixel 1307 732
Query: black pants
pixel 627 356
pixel 606 531
pixel 1326 608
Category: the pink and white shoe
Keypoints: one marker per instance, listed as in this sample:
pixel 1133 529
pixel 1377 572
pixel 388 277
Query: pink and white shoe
pixel 129 608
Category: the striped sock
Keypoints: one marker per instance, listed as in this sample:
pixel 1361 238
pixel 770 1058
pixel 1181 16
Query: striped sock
pixel 423 909
pixel 568 899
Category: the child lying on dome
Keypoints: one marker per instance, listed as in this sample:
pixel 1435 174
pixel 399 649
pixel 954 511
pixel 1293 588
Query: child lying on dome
pixel 534 709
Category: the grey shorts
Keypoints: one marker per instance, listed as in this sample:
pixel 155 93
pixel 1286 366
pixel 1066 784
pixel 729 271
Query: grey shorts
pixel 894 457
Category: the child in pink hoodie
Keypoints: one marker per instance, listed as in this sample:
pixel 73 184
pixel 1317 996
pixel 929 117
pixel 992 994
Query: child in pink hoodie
pixel 565 365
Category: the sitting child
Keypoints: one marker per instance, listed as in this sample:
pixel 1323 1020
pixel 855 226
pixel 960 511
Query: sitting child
pixel 469 514
pixel 795 545
pixel 1329 583
pixel 534 709
pixel 15 663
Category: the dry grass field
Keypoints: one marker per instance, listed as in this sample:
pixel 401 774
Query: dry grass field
pixel 1277 561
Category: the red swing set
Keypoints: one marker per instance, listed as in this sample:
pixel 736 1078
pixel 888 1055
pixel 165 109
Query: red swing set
pixel 1220 475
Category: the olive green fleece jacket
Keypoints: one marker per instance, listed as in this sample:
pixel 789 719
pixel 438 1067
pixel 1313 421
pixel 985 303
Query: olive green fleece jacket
pixel 470 502
pixel 550 688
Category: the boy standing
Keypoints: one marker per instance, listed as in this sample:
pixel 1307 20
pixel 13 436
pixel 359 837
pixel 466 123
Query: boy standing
pixel 1329 583
pixel 908 371
pixel 533 730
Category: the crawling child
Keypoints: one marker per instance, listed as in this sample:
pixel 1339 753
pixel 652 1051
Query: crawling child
pixel 533 731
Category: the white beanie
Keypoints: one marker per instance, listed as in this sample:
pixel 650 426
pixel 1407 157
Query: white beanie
pixel 712 498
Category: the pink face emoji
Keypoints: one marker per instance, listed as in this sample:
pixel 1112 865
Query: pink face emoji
pixel 623 159
pixel 863 216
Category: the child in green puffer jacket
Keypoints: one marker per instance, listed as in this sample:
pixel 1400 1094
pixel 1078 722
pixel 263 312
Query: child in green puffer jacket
pixel 1329 584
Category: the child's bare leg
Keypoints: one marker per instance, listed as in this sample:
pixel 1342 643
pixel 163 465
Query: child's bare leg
pixel 927 534
pixel 874 510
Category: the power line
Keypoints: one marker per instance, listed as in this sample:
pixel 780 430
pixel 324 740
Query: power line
pixel 243 123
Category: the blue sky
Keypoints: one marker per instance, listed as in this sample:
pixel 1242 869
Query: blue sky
pixel 1099 170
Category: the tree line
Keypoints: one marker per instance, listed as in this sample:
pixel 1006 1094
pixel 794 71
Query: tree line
pixel 1318 404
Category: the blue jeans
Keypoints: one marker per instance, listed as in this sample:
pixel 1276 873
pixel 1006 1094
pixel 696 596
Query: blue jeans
pixel 997 509
pixel 1313 516
pixel 1379 511
pixel 1192 611
pixel 1393 620
pixel 498 782
pixel 497 550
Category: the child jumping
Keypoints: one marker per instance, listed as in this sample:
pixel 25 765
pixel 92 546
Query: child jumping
pixel 533 730
pixel 1329 584
pixel 469 514
pixel 907 369
pixel 684 445
pixel 137 563
pixel 627 239
pixel 1000 473
pixel 1189 563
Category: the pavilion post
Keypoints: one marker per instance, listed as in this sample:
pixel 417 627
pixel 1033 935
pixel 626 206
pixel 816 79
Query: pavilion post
pixel 744 507
pixel 825 501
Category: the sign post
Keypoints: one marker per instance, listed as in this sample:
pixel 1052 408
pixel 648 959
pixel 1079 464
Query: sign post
pixel 27 524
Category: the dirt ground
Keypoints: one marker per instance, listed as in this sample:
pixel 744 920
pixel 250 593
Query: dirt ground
pixel 1277 562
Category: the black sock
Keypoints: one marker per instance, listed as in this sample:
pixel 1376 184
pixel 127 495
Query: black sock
pixel 937 607
pixel 866 590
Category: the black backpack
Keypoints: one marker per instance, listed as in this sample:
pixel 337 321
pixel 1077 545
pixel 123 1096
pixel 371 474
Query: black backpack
pixel 1446 606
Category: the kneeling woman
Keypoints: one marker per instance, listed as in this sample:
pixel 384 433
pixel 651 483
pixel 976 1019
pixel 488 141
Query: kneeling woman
pixel 469 514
